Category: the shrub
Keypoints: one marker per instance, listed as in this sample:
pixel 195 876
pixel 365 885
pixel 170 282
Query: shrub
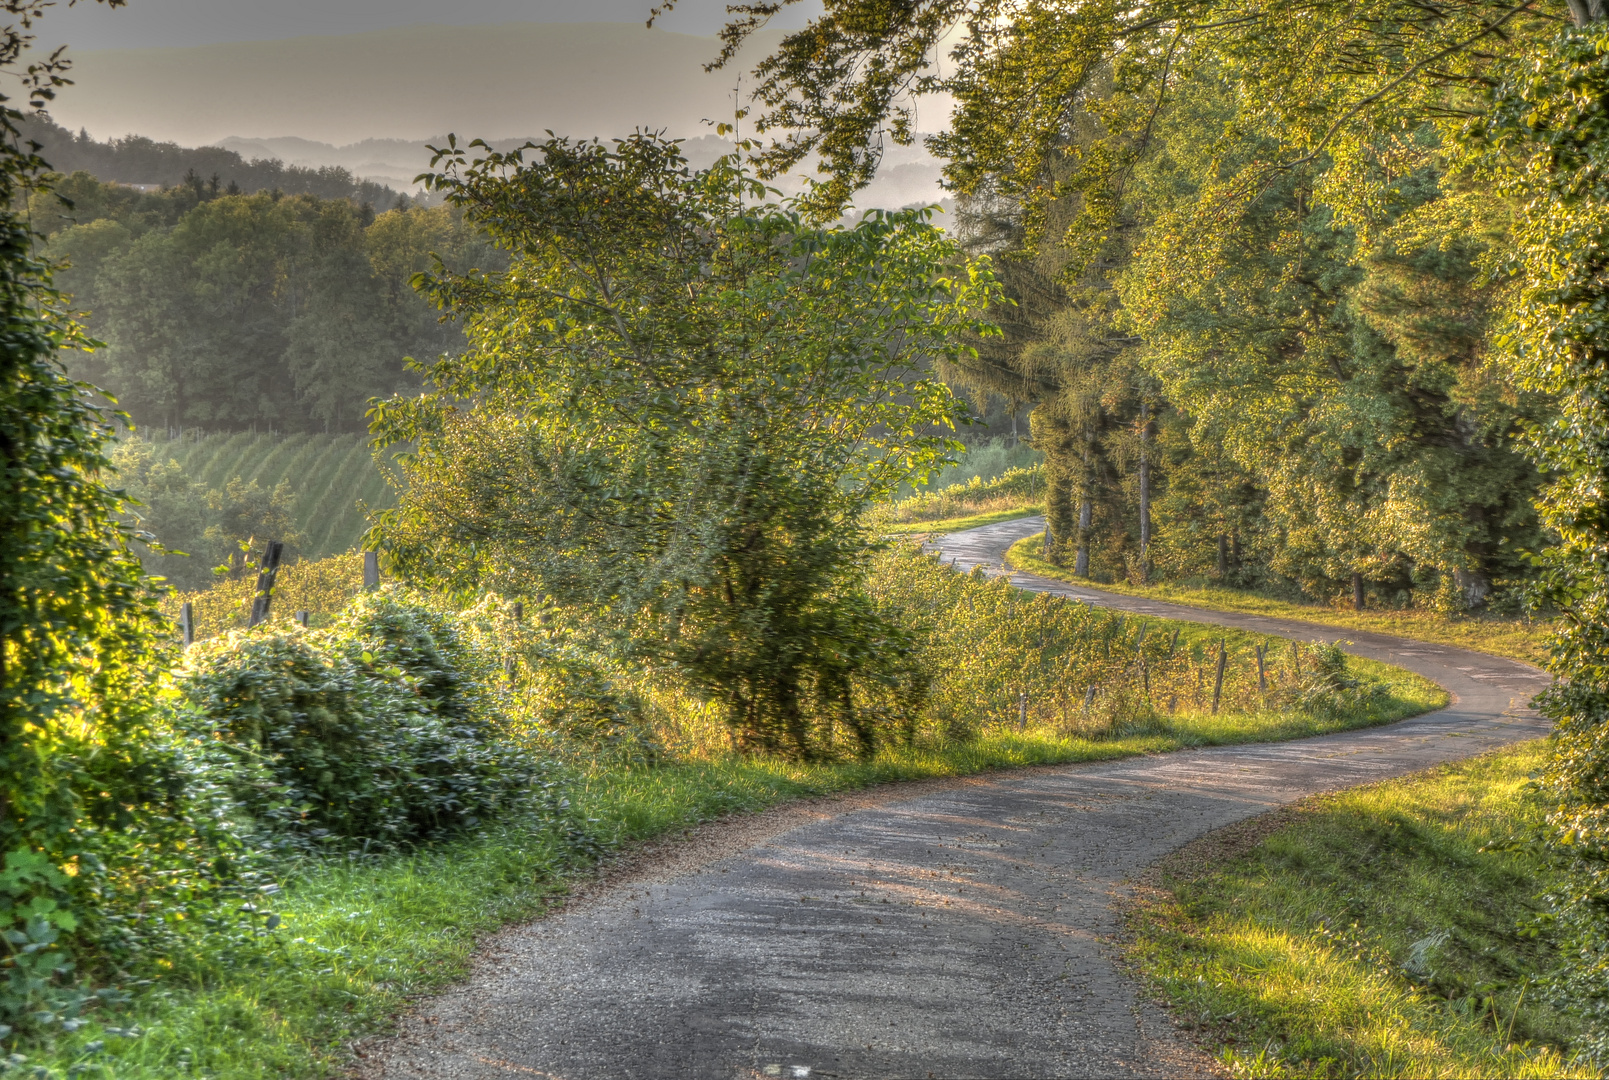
pixel 374 734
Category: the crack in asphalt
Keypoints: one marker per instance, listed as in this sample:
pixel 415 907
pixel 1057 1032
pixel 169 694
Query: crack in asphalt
pixel 952 928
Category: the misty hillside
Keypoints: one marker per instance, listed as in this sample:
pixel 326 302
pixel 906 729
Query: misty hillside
pixel 369 103
pixel 139 161
pixel 909 174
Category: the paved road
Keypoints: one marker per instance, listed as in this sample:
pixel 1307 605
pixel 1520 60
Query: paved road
pixel 950 929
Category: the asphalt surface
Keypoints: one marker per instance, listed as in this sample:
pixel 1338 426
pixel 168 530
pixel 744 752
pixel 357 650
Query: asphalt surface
pixel 950 929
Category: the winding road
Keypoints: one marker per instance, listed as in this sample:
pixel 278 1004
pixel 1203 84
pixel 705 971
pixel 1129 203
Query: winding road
pixel 940 929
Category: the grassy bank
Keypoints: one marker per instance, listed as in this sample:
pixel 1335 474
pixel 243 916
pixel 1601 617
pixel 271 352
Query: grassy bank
pixel 1365 933
pixel 359 941
pixel 956 524
pixel 1517 639
pixel 1013 493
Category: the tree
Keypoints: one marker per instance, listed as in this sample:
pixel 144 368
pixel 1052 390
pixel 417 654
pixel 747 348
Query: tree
pixel 81 632
pixel 677 404
pixel 1546 139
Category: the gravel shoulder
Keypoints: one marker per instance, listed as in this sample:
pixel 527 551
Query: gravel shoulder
pixel 953 928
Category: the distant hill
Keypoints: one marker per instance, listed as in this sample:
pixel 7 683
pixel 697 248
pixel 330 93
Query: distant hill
pixel 368 103
pixel 410 83
pixel 137 160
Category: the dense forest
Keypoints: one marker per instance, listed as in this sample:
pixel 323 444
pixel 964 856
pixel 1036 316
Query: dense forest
pixel 233 311
pixel 142 162
pixel 1306 397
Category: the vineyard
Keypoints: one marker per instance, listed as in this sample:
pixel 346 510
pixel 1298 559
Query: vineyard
pixel 330 476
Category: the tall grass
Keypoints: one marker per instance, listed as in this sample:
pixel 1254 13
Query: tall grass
pixel 1523 639
pixel 984 462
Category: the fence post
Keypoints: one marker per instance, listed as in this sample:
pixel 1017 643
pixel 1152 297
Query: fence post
pixel 1022 711
pixel 302 617
pixel 187 623
pixel 371 571
pixel 1262 672
pixel 268 571
pixel 1218 684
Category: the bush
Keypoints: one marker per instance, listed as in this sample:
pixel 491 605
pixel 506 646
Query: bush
pixel 374 734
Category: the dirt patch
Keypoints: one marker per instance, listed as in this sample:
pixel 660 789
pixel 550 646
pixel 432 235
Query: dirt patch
pixel 1208 853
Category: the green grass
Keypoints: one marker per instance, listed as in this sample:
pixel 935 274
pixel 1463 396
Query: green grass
pixel 1367 934
pixel 1518 639
pixel 359 942
pixel 956 524
pixel 329 476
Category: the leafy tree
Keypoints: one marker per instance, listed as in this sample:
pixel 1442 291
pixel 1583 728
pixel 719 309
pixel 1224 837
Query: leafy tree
pixel 81 760
pixel 677 404
pixel 1546 139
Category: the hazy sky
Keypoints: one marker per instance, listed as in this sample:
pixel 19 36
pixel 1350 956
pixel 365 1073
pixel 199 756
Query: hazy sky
pixel 148 23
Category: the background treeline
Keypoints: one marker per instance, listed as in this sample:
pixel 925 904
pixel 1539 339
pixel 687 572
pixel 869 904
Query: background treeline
pixel 258 311
pixel 137 160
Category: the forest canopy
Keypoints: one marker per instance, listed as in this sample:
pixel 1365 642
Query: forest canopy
pixel 229 311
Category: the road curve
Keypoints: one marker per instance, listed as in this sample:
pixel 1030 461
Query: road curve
pixel 949 929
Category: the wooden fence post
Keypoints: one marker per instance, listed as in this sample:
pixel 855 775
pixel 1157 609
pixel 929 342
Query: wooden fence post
pixel 1262 672
pixel 302 617
pixel 187 623
pixel 1218 684
pixel 371 571
pixel 268 571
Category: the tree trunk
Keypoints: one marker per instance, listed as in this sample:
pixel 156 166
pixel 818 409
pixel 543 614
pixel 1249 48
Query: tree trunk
pixel 1473 586
pixel 1357 591
pixel 1145 494
pixel 1586 11
pixel 1085 516
pixel 1223 556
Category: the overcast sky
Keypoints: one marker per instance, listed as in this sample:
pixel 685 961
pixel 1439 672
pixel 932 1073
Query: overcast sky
pixel 150 23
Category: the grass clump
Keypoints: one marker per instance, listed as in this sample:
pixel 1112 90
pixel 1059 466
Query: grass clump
pixel 1369 933
pixel 1521 639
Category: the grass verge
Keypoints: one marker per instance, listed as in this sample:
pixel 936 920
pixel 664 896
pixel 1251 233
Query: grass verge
pixel 1518 639
pixel 359 941
pixel 1364 933
pixel 956 524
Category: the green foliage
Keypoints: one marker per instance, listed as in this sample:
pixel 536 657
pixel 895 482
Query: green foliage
pixel 228 311
pixel 1019 487
pixel 1373 932
pixel 106 851
pixel 375 734
pixel 676 407
pixel 1547 140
